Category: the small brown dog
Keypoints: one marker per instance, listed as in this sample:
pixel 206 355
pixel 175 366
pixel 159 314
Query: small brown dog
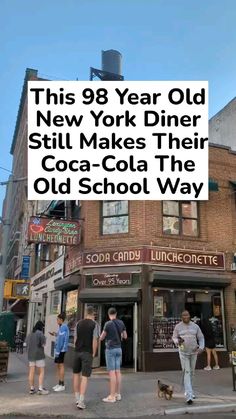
pixel 164 390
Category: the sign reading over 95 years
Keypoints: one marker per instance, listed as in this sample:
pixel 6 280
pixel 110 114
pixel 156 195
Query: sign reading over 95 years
pixel 47 230
pixel 118 140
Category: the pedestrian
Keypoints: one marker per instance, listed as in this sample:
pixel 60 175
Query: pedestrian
pixel 113 332
pixel 210 345
pixel 61 347
pixel 86 344
pixel 35 342
pixel 188 337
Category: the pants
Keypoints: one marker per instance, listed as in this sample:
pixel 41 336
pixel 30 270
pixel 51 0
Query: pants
pixel 188 363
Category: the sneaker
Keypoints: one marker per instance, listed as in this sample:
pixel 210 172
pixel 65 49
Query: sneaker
pixel 189 401
pixel 60 388
pixel 216 367
pixel 118 397
pixel 54 388
pixel 109 399
pixel 81 405
pixel 43 392
pixel 207 368
pixel 32 391
pixel 193 396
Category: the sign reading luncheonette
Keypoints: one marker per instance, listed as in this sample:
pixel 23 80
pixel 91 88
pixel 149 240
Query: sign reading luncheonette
pixel 53 231
pixel 194 259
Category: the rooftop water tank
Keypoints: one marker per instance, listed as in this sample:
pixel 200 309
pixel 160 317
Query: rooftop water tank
pixel 112 61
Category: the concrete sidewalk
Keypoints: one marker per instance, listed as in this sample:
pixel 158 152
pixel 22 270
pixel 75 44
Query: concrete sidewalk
pixel 213 390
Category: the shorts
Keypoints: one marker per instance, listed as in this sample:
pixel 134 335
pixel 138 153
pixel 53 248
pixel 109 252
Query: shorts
pixel 113 359
pixel 83 363
pixel 60 358
pixel 210 343
pixel 39 364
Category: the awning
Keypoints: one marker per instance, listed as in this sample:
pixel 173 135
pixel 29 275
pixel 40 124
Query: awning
pixel 69 282
pixel 201 279
pixel 109 295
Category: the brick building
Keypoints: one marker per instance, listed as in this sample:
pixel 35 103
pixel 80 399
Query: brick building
pixel 153 259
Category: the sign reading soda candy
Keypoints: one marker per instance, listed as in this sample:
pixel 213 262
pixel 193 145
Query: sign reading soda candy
pixel 54 231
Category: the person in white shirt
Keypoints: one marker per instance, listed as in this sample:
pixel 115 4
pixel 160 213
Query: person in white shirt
pixel 188 337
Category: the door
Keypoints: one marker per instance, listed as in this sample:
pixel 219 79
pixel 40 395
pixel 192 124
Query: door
pixel 98 319
pixel 125 312
pixel 135 337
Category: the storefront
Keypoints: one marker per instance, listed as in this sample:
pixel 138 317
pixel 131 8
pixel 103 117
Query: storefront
pixel 45 301
pixel 150 287
pixel 183 280
pixel 118 287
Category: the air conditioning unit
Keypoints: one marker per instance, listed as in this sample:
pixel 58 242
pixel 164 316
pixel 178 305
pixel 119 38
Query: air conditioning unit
pixel 233 267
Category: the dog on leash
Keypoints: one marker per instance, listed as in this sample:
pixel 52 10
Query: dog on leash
pixel 164 390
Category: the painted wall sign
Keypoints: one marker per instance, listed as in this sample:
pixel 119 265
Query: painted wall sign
pixel 53 231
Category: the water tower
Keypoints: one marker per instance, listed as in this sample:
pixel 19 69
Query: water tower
pixel 111 67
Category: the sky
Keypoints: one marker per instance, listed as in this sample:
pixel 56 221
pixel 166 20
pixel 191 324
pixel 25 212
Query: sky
pixel 158 39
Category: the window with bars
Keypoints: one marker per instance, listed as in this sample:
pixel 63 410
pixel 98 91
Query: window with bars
pixel 180 218
pixel 115 217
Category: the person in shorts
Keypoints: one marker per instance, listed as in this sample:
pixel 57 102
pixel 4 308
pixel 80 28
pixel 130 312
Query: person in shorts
pixel 210 344
pixel 61 347
pixel 113 332
pixel 86 343
pixel 35 342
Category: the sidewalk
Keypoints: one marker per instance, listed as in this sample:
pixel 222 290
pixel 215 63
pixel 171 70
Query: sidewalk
pixel 213 390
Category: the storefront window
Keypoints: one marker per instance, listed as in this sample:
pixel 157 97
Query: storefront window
pixel 168 305
pixel 55 305
pixel 71 310
pixel 180 218
pixel 115 217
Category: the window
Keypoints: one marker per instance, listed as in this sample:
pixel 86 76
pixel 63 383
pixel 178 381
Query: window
pixel 71 311
pixel 180 218
pixel 55 306
pixel 115 217
pixel 168 305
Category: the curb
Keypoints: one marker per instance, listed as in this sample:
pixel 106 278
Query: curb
pixel 215 408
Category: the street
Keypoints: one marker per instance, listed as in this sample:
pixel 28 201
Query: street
pixel 213 390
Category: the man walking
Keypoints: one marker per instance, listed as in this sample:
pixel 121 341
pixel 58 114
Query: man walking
pixel 61 347
pixel 190 341
pixel 114 331
pixel 86 343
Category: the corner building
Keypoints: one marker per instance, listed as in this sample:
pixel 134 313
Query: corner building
pixel 153 259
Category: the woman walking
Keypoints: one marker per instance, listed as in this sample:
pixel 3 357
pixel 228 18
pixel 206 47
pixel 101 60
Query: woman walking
pixel 35 344
pixel 210 345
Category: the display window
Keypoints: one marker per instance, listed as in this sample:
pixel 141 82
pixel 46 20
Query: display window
pixel 55 304
pixel 71 312
pixel 168 305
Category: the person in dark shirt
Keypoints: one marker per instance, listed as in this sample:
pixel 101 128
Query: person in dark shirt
pixel 210 344
pixel 86 343
pixel 35 342
pixel 113 332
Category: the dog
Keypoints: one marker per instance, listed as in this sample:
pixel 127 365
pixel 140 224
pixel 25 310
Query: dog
pixel 164 390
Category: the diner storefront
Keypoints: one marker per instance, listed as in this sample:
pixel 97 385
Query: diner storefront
pixel 150 287
pixel 45 301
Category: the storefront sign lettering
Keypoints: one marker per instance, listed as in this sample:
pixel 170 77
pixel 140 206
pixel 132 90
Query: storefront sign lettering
pixel 192 259
pixel 145 255
pixel 109 280
pixel 122 256
pixel 46 230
